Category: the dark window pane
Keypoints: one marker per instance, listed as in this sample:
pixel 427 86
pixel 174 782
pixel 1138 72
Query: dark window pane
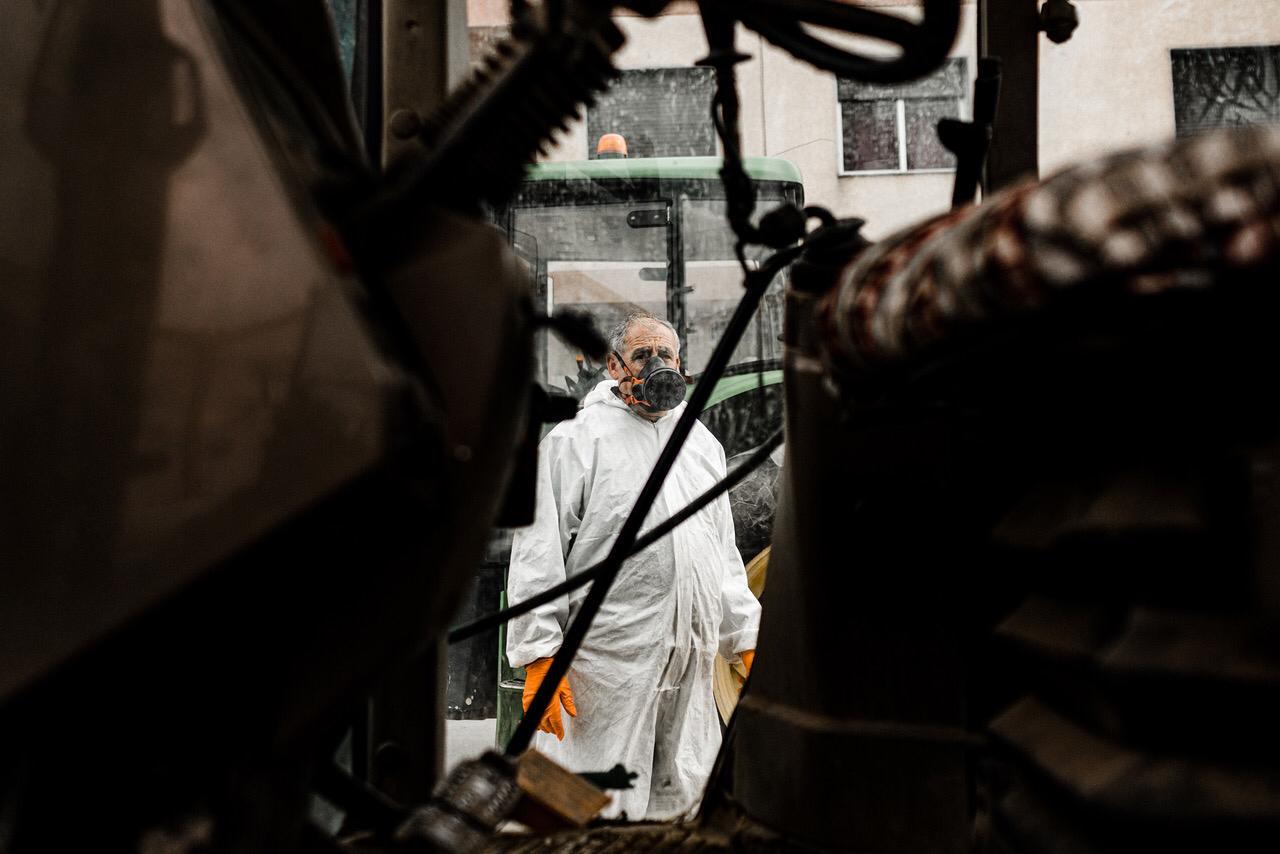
pixel 924 151
pixel 949 81
pixel 661 112
pixel 344 20
pixel 868 113
pixel 1222 87
pixel 870 131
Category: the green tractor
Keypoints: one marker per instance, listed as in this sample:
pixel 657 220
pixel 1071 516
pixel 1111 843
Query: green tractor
pixel 605 237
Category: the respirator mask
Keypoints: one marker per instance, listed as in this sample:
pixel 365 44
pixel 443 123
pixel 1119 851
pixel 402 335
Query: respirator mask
pixel 659 388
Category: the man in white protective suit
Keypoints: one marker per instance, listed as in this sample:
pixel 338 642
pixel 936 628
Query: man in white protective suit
pixel 639 691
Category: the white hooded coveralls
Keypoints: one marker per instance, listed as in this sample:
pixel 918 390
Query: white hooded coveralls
pixel 642 681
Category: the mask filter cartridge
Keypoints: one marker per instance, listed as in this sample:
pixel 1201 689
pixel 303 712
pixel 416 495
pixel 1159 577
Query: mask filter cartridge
pixel 659 388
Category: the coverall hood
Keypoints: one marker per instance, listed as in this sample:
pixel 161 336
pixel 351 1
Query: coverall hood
pixel 603 393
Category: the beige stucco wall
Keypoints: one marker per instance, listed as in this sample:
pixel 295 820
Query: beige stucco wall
pixel 1111 86
pixel 488 13
pixel 1108 88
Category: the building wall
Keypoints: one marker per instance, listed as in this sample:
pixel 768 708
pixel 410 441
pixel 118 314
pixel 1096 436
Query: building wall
pixel 1110 87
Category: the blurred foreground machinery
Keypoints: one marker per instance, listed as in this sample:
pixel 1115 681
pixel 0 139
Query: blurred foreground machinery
pixel 240 483
pixel 1030 518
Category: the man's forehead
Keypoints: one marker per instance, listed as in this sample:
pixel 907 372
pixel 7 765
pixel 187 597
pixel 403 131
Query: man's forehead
pixel 650 334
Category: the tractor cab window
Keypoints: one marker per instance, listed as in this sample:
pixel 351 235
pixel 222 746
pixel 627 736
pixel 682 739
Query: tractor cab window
pixel 605 259
pixel 713 287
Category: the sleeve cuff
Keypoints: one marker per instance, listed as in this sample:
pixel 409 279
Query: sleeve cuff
pixel 732 645
pixel 530 652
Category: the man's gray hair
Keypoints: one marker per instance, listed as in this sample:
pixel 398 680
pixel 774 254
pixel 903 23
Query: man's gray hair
pixel 619 332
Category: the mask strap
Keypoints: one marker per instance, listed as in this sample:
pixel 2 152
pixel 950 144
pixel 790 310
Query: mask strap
pixel 623 363
pixel 628 398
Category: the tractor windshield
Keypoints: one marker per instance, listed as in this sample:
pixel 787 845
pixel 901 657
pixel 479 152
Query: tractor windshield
pixel 662 246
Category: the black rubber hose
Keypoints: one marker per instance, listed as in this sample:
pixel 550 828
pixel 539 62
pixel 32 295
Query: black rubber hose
pixel 648 538
pixel 924 45
pixel 757 282
pixel 842 16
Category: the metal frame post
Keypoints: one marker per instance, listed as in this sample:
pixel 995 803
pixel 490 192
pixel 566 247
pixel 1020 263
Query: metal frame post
pixel 424 56
pixel 1010 30
pixel 423 49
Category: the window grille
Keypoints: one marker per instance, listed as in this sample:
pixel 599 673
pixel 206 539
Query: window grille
pixel 661 112
pixel 1225 87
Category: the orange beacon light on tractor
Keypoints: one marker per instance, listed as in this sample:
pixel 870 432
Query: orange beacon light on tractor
pixel 611 146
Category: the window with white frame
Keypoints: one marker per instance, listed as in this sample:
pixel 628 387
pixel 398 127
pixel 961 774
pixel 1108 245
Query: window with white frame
pixel 1224 87
pixel 892 128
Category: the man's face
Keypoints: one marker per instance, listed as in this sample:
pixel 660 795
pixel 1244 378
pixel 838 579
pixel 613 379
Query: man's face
pixel 644 340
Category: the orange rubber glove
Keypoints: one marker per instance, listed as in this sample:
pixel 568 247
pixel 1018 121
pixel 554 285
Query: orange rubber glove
pixel 748 657
pixel 552 722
